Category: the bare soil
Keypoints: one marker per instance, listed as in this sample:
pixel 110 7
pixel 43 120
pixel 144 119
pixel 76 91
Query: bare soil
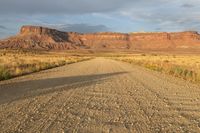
pixel 99 95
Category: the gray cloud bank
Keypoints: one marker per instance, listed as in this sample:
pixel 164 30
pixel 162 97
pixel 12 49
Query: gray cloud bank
pixel 80 28
pixel 61 6
pixel 3 27
pixel 83 28
pixel 165 15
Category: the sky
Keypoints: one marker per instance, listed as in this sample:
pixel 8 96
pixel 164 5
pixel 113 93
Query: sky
pixel 87 16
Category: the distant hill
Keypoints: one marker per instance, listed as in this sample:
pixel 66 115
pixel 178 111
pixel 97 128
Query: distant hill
pixel 41 38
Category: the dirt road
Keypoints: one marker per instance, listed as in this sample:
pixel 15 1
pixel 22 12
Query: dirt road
pixel 99 95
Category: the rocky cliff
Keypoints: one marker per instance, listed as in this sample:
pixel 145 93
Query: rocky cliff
pixel 41 38
pixel 36 37
pixel 106 40
pixel 165 40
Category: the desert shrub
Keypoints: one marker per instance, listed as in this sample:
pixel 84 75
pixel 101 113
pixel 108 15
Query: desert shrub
pixel 4 73
pixel 185 73
pixel 62 62
pixel 18 71
pixel 20 62
pixel 176 70
pixel 153 67
pixel 186 67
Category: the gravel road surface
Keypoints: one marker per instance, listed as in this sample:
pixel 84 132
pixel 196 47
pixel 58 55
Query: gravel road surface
pixel 99 95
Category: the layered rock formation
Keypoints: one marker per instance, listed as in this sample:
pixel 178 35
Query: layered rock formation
pixel 165 40
pixel 41 38
pixel 106 40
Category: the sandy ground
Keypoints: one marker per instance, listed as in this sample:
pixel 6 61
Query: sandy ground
pixel 99 95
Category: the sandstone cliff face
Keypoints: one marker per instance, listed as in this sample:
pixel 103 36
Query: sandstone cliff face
pixel 36 37
pixel 165 40
pixel 41 38
pixel 36 30
pixel 106 40
pixel 49 35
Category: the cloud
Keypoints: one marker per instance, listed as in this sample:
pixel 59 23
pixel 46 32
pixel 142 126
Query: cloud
pixel 187 5
pixel 5 34
pixel 102 15
pixel 168 16
pixel 3 27
pixel 4 31
pixel 81 28
pixel 61 6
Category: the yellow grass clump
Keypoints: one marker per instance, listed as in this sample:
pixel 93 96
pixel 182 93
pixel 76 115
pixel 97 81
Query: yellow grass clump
pixel 183 66
pixel 17 63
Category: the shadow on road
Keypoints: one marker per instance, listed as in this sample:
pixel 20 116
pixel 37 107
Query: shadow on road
pixel 21 90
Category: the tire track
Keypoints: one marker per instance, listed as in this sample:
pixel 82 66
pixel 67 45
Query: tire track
pixel 101 95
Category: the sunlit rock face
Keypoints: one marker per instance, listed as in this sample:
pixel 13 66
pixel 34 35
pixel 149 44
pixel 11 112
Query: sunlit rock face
pixel 41 38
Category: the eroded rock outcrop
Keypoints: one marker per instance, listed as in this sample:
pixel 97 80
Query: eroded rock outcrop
pixel 106 40
pixel 36 37
pixel 165 40
pixel 41 38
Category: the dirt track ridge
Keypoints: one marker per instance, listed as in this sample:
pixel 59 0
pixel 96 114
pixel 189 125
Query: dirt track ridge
pixel 100 95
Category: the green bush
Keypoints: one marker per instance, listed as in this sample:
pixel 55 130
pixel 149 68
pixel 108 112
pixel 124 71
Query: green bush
pixel 4 73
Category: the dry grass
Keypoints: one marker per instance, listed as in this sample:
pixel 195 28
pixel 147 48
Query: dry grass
pixel 183 66
pixel 16 63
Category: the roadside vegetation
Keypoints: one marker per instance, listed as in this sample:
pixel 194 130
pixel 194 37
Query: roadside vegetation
pixel 182 66
pixel 17 63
